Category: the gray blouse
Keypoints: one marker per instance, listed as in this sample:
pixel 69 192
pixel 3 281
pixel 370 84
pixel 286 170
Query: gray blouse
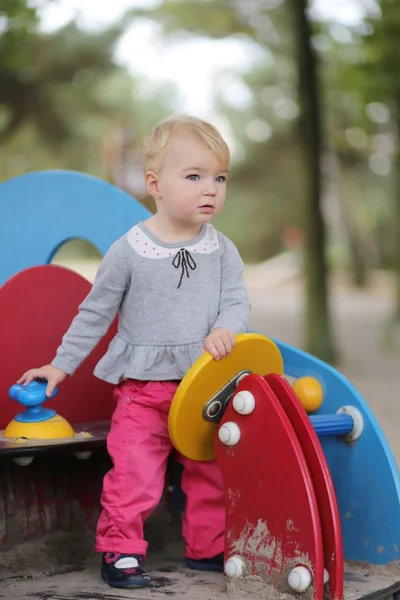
pixel 168 298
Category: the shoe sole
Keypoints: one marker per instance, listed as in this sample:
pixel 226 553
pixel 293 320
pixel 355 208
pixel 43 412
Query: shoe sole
pixel 197 566
pixel 130 584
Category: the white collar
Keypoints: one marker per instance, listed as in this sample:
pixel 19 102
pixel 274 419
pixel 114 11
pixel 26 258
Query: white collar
pixel 148 248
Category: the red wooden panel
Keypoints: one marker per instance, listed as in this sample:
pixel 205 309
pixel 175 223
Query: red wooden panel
pixel 36 308
pixel 272 513
pixel 321 477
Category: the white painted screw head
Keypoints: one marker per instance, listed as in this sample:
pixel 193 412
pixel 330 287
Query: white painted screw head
pixel 326 576
pixel 23 461
pixel 234 566
pixel 299 579
pixel 244 402
pixel 229 433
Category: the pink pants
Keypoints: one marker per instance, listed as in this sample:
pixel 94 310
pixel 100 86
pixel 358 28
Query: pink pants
pixel 139 446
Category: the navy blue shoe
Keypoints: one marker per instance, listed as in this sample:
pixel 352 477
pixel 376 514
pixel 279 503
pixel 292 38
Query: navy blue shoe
pixel 216 563
pixel 124 570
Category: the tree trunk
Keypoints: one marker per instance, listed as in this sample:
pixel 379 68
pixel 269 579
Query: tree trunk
pixel 391 331
pixel 9 129
pixel 319 337
pixel 396 212
pixel 359 253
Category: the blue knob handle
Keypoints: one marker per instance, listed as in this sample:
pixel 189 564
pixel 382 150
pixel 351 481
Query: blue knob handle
pixel 32 396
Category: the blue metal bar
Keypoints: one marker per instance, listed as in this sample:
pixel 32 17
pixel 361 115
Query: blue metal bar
pixel 325 425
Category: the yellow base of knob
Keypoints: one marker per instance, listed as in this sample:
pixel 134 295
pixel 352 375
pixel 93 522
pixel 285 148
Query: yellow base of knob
pixel 52 429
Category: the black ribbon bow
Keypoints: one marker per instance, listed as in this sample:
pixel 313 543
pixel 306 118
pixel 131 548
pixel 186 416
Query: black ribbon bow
pixel 185 261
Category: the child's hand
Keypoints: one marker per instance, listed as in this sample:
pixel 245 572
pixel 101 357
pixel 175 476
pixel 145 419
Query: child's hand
pixel 53 375
pixel 219 343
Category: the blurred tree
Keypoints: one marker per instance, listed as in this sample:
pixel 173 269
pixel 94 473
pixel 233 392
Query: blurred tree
pixel 70 97
pixel 264 201
pixel 319 340
pixel 359 189
pixel 267 23
pixel 17 20
pixel 27 87
pixel 382 69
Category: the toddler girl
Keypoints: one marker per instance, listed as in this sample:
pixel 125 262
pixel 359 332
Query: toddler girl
pixel 177 286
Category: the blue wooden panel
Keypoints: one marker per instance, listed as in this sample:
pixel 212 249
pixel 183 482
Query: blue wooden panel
pixel 365 475
pixel 41 211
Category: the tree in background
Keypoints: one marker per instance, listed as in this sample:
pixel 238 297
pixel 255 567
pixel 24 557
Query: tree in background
pixel 31 87
pixel 319 338
pixel 382 72
pixel 18 20
pixel 63 97
pixel 362 77
pixel 360 185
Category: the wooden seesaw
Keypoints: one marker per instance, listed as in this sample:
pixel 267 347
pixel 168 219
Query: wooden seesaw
pixel 287 516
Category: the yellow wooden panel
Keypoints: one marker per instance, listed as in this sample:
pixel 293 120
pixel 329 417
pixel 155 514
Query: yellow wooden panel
pixel 192 435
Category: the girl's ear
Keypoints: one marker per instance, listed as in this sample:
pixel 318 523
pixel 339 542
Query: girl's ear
pixel 152 184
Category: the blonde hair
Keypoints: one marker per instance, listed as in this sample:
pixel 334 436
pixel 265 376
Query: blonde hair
pixel 156 144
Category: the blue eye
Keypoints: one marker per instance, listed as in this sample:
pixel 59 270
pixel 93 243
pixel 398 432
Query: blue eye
pixel 193 177
pixel 221 179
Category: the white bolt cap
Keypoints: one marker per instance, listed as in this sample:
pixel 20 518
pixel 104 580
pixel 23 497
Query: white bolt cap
pixel 244 402
pixel 234 567
pixel 326 576
pixel 84 454
pixel 23 461
pixel 358 421
pixel 299 579
pixel 229 433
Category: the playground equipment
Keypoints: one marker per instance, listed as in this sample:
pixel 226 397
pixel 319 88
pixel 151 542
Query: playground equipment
pixel 303 492
pixel 310 480
pixel 39 300
pixel 37 428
